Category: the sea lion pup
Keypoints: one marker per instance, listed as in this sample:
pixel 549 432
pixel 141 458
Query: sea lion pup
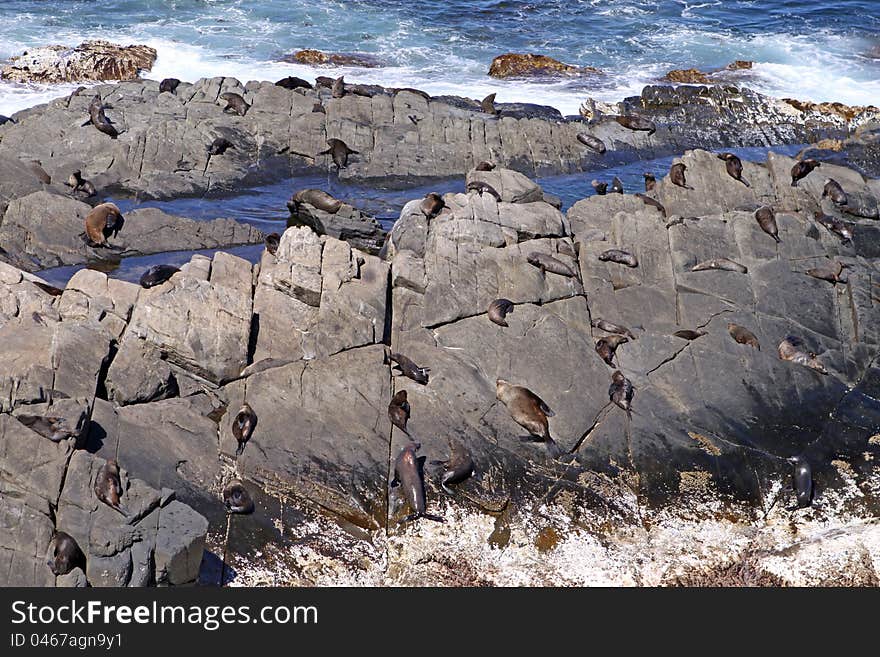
pixel 409 475
pixel 317 198
pixel 55 429
pixel 766 219
pixel 98 119
pixel 431 205
pixel 591 142
pixel 621 392
pixel 802 169
pixel 104 220
pixel 734 167
pixel 236 498
pixel 243 425
pixel 600 187
pixel 399 411
pixel 219 146
pixel 647 200
pixel 108 486
pixel 64 554
pixel 80 184
pixel 487 105
pixel 547 263
pixel 676 175
pixel 742 335
pixel 616 186
pixel 834 191
pixel 169 85
pixel 724 264
pixel 408 368
pixel 687 334
pixel 458 467
pixel 498 310
pixel 156 275
pixel 609 327
pixel 802 480
pixel 792 349
pixel 529 411
pixel 235 103
pixel 828 272
pixel 484 166
pixel 36 167
pixel 339 151
pixel 607 345
pixel 834 225
pixel 272 241
pixel 292 82
pixel 619 256
pixel 650 181
pixel 637 123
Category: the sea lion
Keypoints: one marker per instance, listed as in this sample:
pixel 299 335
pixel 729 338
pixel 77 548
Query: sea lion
pixel 317 198
pixel 409 475
pixel 98 119
pixel 80 184
pixel 609 327
pixel 108 486
pixel 616 186
pixel 676 175
pixel 481 188
pixel 36 167
pixel 547 263
pixel 399 411
pixel 792 349
pixel 484 166
pixel 607 345
pixel 337 89
pixel 243 425
pixel 272 241
pixel 621 392
pixel 835 225
pixel 431 205
pixel 324 81
pixel 339 151
pixel 498 310
pixel 64 554
pixel 619 256
pixel 687 334
pixel 802 169
pixel 734 167
pixel 766 219
pixel 650 181
pixel 156 275
pixel 408 368
pixel 637 123
pixel 724 264
pixel 235 103
pixel 54 428
pixel 591 142
pixel 487 105
pixel 169 85
pixel 458 467
pixel 292 82
pixel 647 200
pixel 743 335
pixel 802 476
pixel 219 146
pixel 6 119
pixel 236 498
pixel 102 222
pixel 529 411
pixel 834 191
pixel 828 272
pixel 600 187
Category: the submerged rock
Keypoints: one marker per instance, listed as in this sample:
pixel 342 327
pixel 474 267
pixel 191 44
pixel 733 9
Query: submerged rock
pixel 523 65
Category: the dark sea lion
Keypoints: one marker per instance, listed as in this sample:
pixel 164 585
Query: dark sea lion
pixel 688 334
pixel 219 146
pixel 650 182
pixel 169 85
pixel 609 327
pixel 621 392
pixel 54 428
pixel 64 554
pixel 101 223
pixel 676 175
pixel 600 187
pixel 36 167
pixel 431 205
pixel 835 225
pixel 802 169
pixel 834 191
pixel 408 368
pixel 80 184
pixel 409 475
pixel 337 89
pixel 724 264
pixel 607 345
pixel 108 486
pixel 6 119
pixel 317 198
pixel 272 241
pixel 399 411
pixel 235 103
pixel 529 411
pixel 547 263
pixel 766 219
pixel 339 151
pixel 236 498
pixel 591 142
pixel 647 200
pixel 619 256
pixel 98 119
pixel 743 335
pixel 243 425
pixel 482 188
pixel 802 476
pixel 484 166
pixel 458 467
pixel 637 123
pixel 498 310
pixel 616 186
pixel 292 82
pixel 829 272
pixel 157 274
pixel 792 349
pixel 487 105
pixel 734 167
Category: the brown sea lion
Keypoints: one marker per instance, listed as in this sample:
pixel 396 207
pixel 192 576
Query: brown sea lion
pixel 607 345
pixel 399 411
pixel 219 146
pixel 236 498
pixel 408 368
pixel 734 167
pixel 792 349
pixel 687 334
pixel 431 205
pixel 169 85
pixel 650 181
pixel 834 191
pixel 616 186
pixel 621 392
pixel 676 175
pixel 835 225
pixel 80 184
pixel 481 188
pixel 108 486
pixel 609 327
pixel 829 272
pixel 647 200
pixel 235 103
pixel 724 264
pixel 487 105
pixel 410 476
pixel 337 90
pixel 591 142
pixel 292 82
pixel 499 310
pixel 766 219
pixel 156 275
pixel 458 467
pixel 743 335
pixel 529 411
pixel 802 169
pixel 619 256
pixel 64 554
pixel 272 241
pixel 102 222
pixel 243 425
pixel 637 123
pixel 339 151
pixel 317 198
pixel 98 119
pixel 600 187
pixel 547 263
pixel 54 428
pixel 484 166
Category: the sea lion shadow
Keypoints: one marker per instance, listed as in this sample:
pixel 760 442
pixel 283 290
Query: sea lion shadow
pixel 214 572
pixel 95 439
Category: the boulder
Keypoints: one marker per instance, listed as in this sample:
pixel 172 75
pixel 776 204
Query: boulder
pixel 687 76
pixel 348 223
pixel 89 61
pixel 523 65
pixel 320 58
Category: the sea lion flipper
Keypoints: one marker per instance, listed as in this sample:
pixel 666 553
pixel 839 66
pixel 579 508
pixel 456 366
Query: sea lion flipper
pixel 88 121
pixel 327 152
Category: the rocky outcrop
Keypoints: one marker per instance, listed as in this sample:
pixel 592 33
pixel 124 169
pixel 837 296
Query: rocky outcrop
pixel 512 65
pixel 89 61
pixel 320 58
pixel 688 76
pixel 347 223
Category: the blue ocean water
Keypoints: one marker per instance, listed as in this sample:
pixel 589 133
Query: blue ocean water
pixel 816 50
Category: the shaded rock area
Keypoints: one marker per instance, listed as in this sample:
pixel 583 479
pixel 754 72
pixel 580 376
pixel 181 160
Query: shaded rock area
pixel 89 61
pixel 347 223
